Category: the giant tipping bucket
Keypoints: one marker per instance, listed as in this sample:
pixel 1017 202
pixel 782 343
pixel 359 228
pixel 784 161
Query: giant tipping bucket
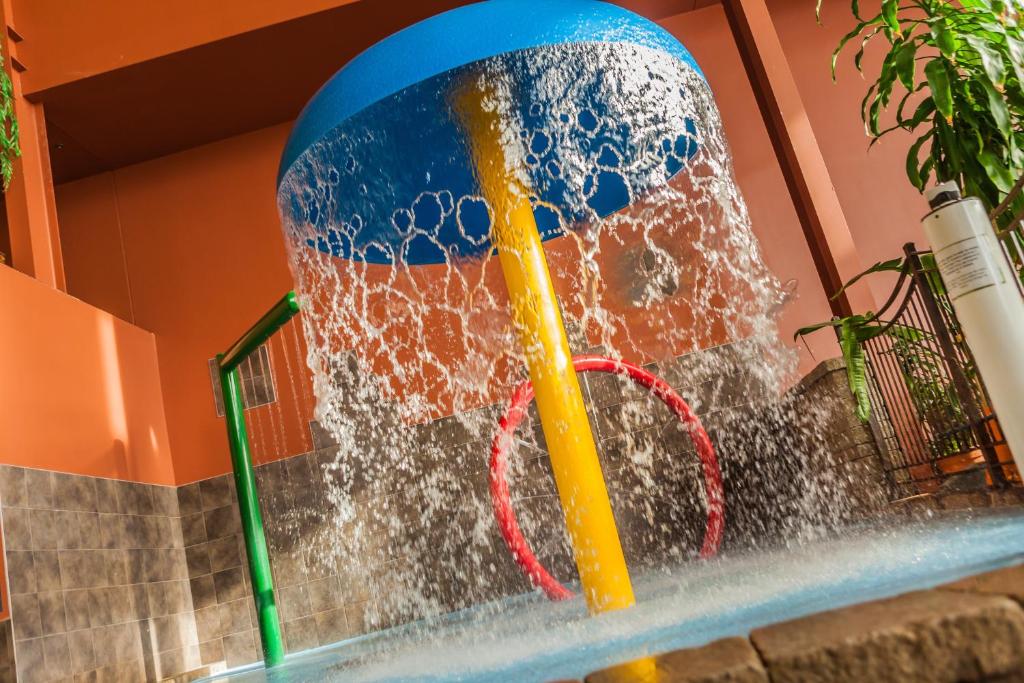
pixel 461 138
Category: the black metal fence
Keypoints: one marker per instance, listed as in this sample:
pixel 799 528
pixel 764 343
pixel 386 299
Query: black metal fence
pixel 930 411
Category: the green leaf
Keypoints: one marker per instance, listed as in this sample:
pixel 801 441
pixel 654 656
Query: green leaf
pixel 997 107
pixel 996 171
pixel 890 15
pixel 893 265
pixel 850 36
pixel 913 162
pixel 991 60
pixel 904 63
pixel 938 80
pixel 856 368
pixel 945 39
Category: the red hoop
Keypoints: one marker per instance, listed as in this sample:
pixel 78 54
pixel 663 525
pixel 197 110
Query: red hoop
pixel 511 420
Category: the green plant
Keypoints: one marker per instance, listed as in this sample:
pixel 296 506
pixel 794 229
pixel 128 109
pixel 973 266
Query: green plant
pixel 918 363
pixel 10 149
pixel 959 70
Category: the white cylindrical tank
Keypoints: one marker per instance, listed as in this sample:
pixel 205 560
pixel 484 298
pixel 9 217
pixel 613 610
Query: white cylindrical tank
pixel 987 299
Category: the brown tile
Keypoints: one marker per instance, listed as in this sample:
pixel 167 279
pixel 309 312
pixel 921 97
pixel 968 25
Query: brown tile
pixel 21 572
pixel 190 501
pixel 356 614
pixel 203 591
pixel 215 492
pixel 149 527
pixel 221 522
pixel 197 559
pixel 229 584
pixel 106 495
pixel 134 498
pixel 140 600
pixel 39 488
pixel 210 622
pixel 83 656
pixel 51 612
pixel 173 632
pixel 47 570
pixel 212 651
pixel 121 607
pixel 116 563
pixel 82 568
pixel 324 594
pixel 17 528
pixel 69 532
pixel 236 616
pixel 114 531
pixel 239 649
pixel 89 529
pixel 45 532
pixel 301 634
pixel 57 656
pixel 25 616
pixel 293 601
pixel 78 610
pixel 169 597
pixel 331 626
pixel 165 501
pixel 99 609
pixel 167 530
pixel 73 492
pixel 12 487
pixel 118 643
pixel 193 529
pixel 224 553
pixel 289 568
pixel 30 660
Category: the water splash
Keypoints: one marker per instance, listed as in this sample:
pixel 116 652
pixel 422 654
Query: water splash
pixel 413 363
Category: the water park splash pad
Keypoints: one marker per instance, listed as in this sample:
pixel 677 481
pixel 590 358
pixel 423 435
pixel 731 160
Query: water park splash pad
pixel 467 205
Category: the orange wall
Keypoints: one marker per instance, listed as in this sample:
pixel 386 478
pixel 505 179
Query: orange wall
pixel 81 388
pixel 67 40
pixel 882 208
pixel 204 256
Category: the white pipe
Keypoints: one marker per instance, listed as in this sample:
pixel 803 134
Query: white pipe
pixel 987 300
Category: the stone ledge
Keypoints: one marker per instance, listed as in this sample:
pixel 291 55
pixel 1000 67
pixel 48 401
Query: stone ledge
pixel 924 636
pixel 729 659
pixel 1008 582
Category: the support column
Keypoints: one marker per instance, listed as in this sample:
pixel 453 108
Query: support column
pixel 31 207
pixel 803 166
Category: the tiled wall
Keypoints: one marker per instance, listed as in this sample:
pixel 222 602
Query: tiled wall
pixel 120 581
pixel 97 577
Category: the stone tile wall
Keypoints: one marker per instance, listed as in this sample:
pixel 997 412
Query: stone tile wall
pixel 119 581
pixel 853 458
pixel 97 578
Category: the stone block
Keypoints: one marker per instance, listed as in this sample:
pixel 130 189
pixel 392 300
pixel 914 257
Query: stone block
pixel 1008 582
pixel 729 659
pixel 924 636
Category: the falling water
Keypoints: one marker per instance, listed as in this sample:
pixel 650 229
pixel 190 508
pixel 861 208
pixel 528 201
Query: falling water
pixel 413 364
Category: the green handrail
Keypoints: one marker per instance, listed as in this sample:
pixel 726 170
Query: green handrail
pixel 245 477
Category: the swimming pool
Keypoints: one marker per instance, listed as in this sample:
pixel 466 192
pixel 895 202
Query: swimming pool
pixel 526 638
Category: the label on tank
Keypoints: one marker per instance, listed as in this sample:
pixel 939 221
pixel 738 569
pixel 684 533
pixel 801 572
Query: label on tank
pixel 967 266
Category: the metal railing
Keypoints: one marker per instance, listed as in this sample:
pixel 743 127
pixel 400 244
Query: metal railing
pixel 931 414
pixel 1009 219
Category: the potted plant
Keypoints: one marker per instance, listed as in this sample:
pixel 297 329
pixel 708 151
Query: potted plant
pixel 953 75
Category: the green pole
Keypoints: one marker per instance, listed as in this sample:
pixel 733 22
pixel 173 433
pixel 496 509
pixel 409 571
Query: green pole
pixel 245 477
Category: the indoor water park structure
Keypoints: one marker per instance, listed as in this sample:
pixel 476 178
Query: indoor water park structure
pixel 513 340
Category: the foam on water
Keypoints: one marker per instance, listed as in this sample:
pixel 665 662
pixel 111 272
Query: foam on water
pixel 528 639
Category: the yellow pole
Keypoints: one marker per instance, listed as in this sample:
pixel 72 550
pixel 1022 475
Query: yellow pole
pixel 563 415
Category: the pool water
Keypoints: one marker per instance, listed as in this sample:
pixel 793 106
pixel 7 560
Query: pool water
pixel 526 638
